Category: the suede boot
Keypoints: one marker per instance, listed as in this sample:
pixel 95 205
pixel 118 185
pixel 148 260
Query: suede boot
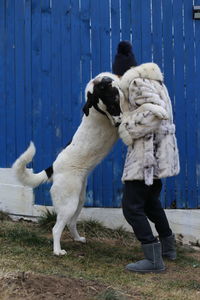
pixel 169 247
pixel 153 261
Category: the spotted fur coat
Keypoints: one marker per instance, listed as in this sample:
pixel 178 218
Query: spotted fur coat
pixel 147 126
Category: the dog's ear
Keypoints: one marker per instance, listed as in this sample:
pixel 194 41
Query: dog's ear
pixel 89 103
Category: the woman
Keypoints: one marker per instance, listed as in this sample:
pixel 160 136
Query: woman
pixel 152 155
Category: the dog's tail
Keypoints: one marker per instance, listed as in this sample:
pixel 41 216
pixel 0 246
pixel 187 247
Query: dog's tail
pixel 25 175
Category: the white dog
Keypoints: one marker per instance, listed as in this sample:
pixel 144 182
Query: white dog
pixel 92 141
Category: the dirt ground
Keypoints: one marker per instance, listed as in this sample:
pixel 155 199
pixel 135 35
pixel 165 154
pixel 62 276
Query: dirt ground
pixel 31 286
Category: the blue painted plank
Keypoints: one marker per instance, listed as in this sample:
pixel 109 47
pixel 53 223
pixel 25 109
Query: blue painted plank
pixel 126 19
pixel 66 67
pixel 95 40
pixel 20 76
pixel 116 154
pixel 76 58
pixel 96 69
pixel 115 26
pixel 180 104
pixel 85 47
pixel 157 54
pixel 157 32
pixel 46 92
pixel 38 162
pixel 191 117
pixel 3 162
pixel 10 83
pixel 36 80
pixel 104 11
pixel 146 31
pixel 46 61
pixel 56 76
pixel 86 73
pixel 169 80
pixel 136 23
pixel 197 96
pixel 28 77
pixel 106 186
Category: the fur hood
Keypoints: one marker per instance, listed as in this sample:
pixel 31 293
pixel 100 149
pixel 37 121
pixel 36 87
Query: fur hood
pixel 148 70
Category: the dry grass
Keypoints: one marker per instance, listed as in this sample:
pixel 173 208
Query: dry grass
pixel 26 248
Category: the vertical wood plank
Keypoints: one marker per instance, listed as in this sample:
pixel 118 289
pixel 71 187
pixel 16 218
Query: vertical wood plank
pixel 95 40
pixel 146 31
pixel 10 83
pixel 180 103
pixel 56 76
pixel 115 26
pixel 136 21
pixel 117 157
pixel 46 72
pixel 96 69
pixel 46 92
pixel 3 83
pixel 20 76
pixel 126 19
pixel 36 80
pixel 66 67
pixel 39 160
pixel 28 72
pixel 157 32
pixel 86 57
pixel 197 96
pixel 168 56
pixel 85 46
pixel 191 117
pixel 106 188
pixel 76 59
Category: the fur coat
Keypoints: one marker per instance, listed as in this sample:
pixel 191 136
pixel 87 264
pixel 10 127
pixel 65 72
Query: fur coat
pixel 147 126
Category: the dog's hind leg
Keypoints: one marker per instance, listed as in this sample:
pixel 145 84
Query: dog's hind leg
pixel 66 203
pixel 73 225
pixel 57 232
pixel 64 216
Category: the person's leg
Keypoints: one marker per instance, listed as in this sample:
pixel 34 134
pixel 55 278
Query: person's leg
pixel 135 197
pixel 133 204
pixel 154 211
pixel 156 214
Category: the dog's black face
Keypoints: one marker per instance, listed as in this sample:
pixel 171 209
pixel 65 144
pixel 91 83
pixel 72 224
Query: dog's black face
pixel 105 98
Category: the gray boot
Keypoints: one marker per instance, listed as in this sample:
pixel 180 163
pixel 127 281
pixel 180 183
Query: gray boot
pixel 169 247
pixel 153 261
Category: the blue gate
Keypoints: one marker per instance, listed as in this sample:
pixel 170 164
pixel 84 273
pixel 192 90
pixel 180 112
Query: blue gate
pixel 49 50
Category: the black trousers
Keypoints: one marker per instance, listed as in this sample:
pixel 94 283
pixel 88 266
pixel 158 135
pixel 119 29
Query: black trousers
pixel 141 202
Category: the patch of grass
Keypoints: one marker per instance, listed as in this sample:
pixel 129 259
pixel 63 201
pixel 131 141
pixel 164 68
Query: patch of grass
pixel 111 294
pixel 4 216
pixel 23 236
pixel 185 260
pixel 179 284
pixel 94 228
pixel 47 220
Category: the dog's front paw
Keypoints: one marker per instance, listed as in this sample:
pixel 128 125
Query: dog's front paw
pixel 81 239
pixel 60 252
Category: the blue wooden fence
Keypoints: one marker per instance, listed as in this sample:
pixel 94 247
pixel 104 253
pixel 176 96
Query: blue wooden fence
pixel 49 49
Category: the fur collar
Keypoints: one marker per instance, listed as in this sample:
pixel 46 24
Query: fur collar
pixel 147 70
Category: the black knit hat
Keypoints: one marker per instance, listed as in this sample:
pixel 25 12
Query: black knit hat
pixel 124 59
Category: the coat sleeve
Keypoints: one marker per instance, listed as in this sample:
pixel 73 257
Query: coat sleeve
pixel 148 111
